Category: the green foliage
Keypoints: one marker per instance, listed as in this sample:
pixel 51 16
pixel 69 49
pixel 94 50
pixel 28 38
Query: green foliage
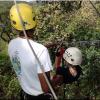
pixel 13 89
pixel 74 20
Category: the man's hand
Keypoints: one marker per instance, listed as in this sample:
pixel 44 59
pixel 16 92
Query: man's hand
pixel 57 80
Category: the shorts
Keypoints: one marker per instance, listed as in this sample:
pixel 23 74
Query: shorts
pixel 44 96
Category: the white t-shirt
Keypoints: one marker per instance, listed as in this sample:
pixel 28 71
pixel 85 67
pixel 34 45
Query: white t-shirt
pixel 25 64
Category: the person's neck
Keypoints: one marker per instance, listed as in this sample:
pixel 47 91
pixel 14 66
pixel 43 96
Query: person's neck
pixel 25 37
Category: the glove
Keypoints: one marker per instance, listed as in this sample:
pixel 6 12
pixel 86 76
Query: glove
pixel 60 52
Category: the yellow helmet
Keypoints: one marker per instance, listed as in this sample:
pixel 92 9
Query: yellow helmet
pixel 27 15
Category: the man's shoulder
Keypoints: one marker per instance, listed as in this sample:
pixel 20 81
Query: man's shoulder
pixel 13 40
pixel 39 46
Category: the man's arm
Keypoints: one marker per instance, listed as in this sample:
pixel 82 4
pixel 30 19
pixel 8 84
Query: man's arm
pixel 55 82
pixel 43 82
pixel 45 60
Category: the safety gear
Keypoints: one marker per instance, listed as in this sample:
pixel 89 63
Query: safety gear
pixel 27 15
pixel 59 55
pixel 73 56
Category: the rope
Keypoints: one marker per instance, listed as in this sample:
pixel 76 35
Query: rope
pixel 98 13
pixel 83 43
pixel 41 66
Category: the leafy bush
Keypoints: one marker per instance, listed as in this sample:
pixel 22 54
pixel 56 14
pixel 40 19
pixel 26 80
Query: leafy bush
pixel 57 20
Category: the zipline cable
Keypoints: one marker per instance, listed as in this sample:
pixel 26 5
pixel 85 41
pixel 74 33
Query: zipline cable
pixel 41 66
pixel 98 13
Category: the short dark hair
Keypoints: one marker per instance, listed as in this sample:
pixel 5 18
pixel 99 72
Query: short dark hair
pixel 28 32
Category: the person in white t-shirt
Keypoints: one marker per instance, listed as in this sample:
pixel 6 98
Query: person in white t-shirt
pixel 28 71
